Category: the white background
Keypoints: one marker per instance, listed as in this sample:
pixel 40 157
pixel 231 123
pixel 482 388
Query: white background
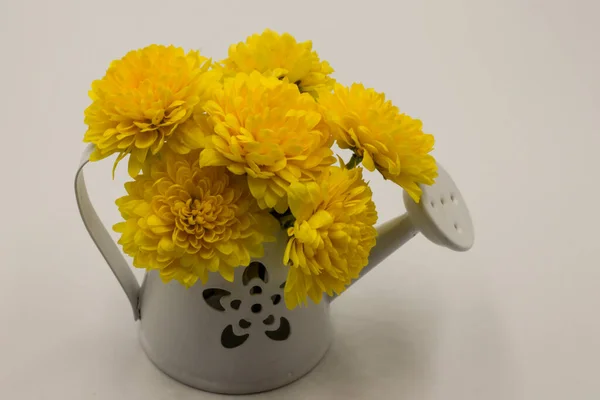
pixel 511 91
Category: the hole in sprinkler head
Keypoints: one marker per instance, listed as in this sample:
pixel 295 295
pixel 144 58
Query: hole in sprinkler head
pixel 432 204
pixel 244 324
pixel 453 198
pixel 235 304
pixel 256 308
pixel 442 200
pixel 276 299
pixel 269 320
pixel 282 285
pixel 256 290
pixel 458 229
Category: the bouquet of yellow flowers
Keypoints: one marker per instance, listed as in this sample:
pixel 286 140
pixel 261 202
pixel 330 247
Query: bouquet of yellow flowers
pixel 224 154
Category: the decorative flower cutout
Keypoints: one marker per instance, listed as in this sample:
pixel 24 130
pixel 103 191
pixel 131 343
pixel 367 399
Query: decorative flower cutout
pixel 256 277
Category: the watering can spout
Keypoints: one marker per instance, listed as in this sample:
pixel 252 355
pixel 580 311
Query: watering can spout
pixel 391 235
pixel 441 216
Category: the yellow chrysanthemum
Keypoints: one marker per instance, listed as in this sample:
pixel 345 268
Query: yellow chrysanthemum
pixel 394 143
pixel 146 99
pixel 332 236
pixel 265 128
pixel 187 221
pixel 282 57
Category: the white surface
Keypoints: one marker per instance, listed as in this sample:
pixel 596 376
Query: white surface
pixel 514 81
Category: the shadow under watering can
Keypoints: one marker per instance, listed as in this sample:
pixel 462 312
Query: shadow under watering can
pixel 238 337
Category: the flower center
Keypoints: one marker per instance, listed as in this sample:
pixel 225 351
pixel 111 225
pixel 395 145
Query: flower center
pixel 196 213
pixel 202 220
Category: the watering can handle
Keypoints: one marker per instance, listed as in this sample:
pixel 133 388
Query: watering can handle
pixel 103 240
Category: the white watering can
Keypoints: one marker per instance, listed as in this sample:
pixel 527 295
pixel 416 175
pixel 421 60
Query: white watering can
pixel 239 337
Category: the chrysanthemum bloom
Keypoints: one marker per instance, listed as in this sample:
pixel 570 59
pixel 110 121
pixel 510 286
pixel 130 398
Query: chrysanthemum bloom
pixel 393 143
pixel 332 236
pixel 145 100
pixel 187 221
pixel 282 57
pixel 266 129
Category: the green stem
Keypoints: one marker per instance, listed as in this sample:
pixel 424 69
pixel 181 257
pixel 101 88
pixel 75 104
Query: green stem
pixel 287 221
pixel 354 161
